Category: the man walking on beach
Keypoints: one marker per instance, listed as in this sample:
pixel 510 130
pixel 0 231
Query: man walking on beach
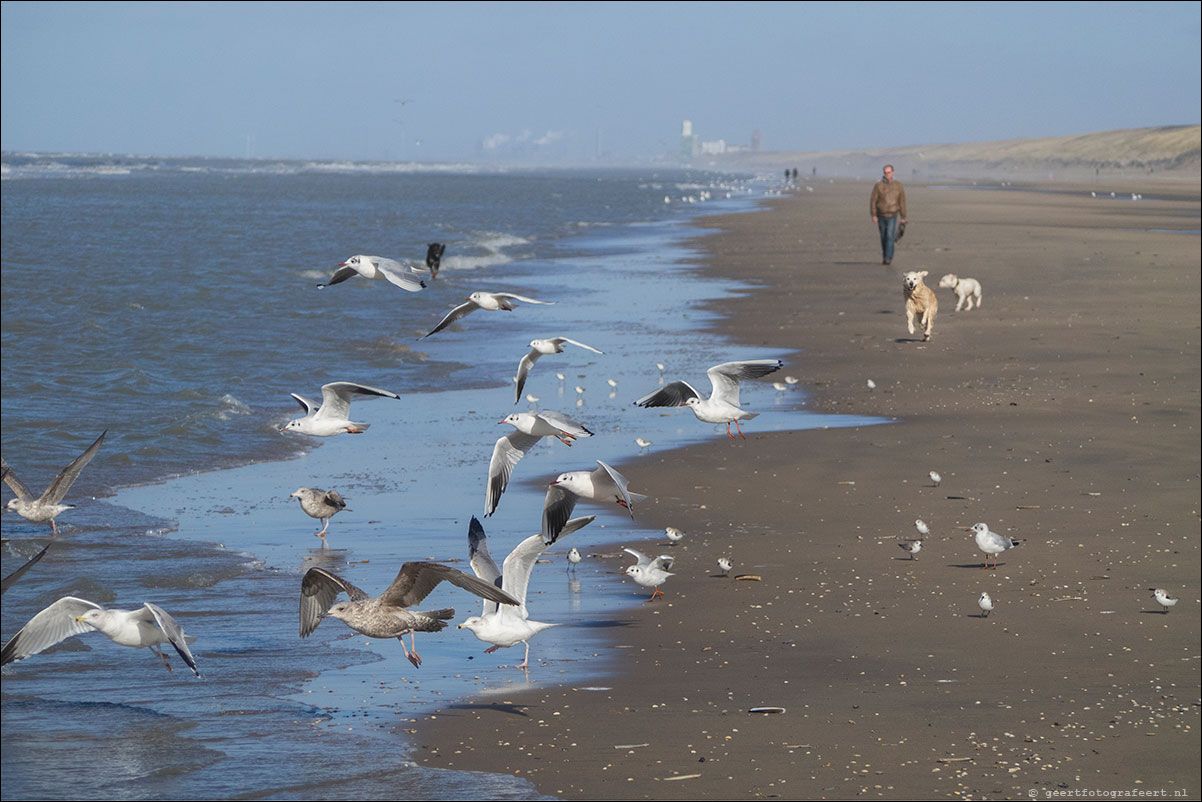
pixel 888 208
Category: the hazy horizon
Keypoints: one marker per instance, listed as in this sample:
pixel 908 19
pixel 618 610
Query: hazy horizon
pixel 596 83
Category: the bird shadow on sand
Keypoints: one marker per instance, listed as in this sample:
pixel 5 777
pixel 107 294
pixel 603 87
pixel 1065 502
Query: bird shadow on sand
pixel 978 566
pixel 609 623
pixel 499 707
pixel 1153 612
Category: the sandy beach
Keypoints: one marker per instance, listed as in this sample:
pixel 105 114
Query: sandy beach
pixel 1064 412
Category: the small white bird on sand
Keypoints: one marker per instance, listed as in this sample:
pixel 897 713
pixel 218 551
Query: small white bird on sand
pixel 489 301
pixel 319 504
pixel 1163 599
pixel 532 398
pixel 912 547
pixel 539 348
pixel 725 564
pixel 986 605
pixel 674 535
pixel 579 390
pixel 780 387
pixel 648 572
pixel 508 450
pixel 377 267
pixel 147 627
pixel 603 485
pixel 936 478
pixel 561 377
pixel 922 527
pixel 331 417
pixel 574 558
pixel 612 382
pixel 642 442
pixel 509 625
pixel 991 543
pixel 45 508
pixel 791 380
pixel 871 384
pixel 723 404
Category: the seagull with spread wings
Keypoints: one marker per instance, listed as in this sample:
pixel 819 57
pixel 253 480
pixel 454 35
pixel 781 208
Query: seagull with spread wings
pixel 377 267
pixel 331 417
pixel 508 626
pixel 46 507
pixel 508 450
pixel 723 404
pixel 149 626
pixel 552 345
pixel 489 301
pixel 386 615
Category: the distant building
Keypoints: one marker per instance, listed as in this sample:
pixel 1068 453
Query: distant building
pixel 716 147
pixel 755 140
pixel 688 140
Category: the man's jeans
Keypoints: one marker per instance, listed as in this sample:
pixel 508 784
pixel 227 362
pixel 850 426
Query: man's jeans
pixel 888 227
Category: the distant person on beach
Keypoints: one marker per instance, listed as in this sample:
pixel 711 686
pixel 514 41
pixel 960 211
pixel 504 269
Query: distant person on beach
pixel 888 208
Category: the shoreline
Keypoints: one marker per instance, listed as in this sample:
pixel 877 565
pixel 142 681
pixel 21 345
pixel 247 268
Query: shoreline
pixel 1064 413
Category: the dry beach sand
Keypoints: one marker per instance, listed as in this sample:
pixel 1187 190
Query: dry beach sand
pixel 1065 412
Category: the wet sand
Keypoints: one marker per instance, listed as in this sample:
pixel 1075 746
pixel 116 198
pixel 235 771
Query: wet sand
pixel 1065 413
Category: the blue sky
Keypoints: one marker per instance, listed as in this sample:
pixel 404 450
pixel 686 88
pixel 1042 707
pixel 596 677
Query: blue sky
pixel 470 81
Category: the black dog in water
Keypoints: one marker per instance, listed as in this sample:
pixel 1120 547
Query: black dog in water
pixel 433 257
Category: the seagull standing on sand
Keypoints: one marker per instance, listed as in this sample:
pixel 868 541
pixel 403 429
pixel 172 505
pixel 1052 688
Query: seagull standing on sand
pixel 991 543
pixel 531 427
pixel 331 417
pixel 986 605
pixel 319 504
pixel 603 485
pixel 489 301
pixel 386 615
pixel 723 404
pixel 377 267
pixel 648 572
pixel 148 627
pixel 553 345
pixel 507 626
pixel 1163 599
pixel 46 507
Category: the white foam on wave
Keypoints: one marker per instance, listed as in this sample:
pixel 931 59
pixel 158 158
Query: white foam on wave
pixel 494 247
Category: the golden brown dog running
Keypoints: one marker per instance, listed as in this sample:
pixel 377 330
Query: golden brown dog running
pixel 921 301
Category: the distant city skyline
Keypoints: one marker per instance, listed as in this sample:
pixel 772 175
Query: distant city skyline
pixel 581 83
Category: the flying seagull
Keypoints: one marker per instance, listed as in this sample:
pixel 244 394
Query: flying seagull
pixel 46 507
pixel 331 417
pixel 150 626
pixel 531 427
pixel 723 404
pixel 553 345
pixel 386 616
pixel 508 626
pixel 602 485
pixel 377 267
pixel 490 301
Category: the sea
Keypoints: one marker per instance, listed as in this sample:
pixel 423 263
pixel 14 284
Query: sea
pixel 174 303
